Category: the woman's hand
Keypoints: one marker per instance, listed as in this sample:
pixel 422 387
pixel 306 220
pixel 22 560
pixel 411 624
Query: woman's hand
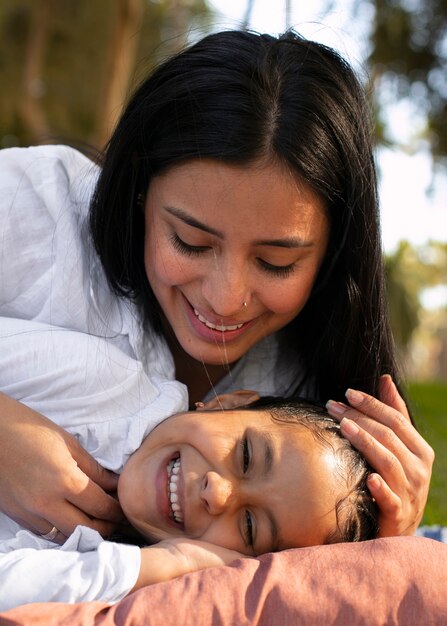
pixel 174 557
pixel 382 431
pixel 47 479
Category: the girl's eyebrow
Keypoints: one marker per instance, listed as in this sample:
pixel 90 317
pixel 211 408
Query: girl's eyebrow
pixel 288 242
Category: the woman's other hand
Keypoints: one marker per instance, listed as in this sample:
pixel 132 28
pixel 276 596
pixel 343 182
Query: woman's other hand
pixel 382 431
pixel 47 479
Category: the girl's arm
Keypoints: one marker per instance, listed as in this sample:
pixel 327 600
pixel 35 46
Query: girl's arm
pixel 175 557
pixel 87 568
pixel 47 479
pixel 382 431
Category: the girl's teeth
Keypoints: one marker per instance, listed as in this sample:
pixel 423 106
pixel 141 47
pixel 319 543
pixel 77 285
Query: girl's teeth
pixel 173 469
pixel 216 326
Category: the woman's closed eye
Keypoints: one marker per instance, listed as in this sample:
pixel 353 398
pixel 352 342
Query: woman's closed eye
pixel 185 248
pixel 281 271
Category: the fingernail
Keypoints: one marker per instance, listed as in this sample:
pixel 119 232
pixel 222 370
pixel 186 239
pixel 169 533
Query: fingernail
pixel 354 396
pixel 349 427
pixel 373 482
pixel 336 407
pixel 199 405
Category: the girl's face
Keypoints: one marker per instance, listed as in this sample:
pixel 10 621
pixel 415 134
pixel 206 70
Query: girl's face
pixel 219 236
pixel 235 478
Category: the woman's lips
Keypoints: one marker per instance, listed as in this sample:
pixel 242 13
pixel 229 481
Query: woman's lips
pixel 223 331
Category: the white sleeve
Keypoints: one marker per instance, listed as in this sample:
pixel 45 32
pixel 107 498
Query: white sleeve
pixel 44 269
pixel 85 568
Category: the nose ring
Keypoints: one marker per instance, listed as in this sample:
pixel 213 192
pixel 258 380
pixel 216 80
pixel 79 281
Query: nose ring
pixel 244 303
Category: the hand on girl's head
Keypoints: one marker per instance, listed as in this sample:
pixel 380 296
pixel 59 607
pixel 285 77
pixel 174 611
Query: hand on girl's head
pixel 382 431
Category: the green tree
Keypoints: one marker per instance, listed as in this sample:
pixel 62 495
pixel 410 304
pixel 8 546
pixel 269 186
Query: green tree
pixel 409 271
pixel 408 59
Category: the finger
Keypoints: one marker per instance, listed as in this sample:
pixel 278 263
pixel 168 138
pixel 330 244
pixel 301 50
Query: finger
pixel 388 394
pixel 367 410
pixel 72 517
pixel 382 433
pixel 40 527
pixel 88 465
pixel 378 456
pixel 395 420
pixel 389 504
pixel 95 502
pixel 390 508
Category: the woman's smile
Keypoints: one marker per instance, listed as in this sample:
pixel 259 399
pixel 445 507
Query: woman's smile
pixel 210 327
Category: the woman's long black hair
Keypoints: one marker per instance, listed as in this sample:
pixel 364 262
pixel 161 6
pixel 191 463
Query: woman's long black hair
pixel 240 97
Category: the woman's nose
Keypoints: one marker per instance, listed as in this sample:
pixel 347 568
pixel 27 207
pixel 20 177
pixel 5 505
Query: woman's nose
pixel 217 493
pixel 225 290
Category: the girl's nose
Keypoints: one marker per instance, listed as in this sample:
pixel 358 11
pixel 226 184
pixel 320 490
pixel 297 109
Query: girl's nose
pixel 217 493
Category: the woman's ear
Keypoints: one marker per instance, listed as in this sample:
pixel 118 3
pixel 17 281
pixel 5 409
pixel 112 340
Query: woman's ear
pixel 229 400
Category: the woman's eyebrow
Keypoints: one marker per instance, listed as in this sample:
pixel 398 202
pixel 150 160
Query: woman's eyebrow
pixel 288 242
pixel 191 221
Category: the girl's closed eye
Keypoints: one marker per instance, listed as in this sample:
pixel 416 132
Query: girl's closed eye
pixel 246 455
pixel 248 518
pixel 249 533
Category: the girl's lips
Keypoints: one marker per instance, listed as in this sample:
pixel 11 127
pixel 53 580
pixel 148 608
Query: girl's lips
pixel 233 328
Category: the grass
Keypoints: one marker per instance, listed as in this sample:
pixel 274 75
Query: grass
pixel 428 401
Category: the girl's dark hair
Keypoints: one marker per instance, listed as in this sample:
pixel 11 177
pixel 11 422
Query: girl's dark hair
pixel 356 512
pixel 240 97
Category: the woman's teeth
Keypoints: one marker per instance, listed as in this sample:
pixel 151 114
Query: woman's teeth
pixel 216 326
pixel 173 469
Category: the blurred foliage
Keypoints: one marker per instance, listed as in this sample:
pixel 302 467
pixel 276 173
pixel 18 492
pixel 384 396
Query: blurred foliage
pixel 410 270
pixel 69 80
pixel 429 402
pixel 408 59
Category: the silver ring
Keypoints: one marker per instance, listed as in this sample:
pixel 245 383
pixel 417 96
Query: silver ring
pixel 51 534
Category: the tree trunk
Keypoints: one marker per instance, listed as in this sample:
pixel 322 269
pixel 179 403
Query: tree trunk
pixel 121 60
pixel 30 107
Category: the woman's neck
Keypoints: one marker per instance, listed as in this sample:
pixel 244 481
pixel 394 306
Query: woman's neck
pixel 196 375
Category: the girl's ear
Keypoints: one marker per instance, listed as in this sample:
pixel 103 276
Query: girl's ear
pixel 229 400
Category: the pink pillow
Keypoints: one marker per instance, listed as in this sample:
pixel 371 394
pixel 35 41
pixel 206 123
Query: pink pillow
pixel 401 580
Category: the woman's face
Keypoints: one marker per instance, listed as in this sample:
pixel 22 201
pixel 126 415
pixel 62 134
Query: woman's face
pixel 219 236
pixel 236 479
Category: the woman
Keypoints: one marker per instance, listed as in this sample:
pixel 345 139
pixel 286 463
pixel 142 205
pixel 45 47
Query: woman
pixel 234 221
